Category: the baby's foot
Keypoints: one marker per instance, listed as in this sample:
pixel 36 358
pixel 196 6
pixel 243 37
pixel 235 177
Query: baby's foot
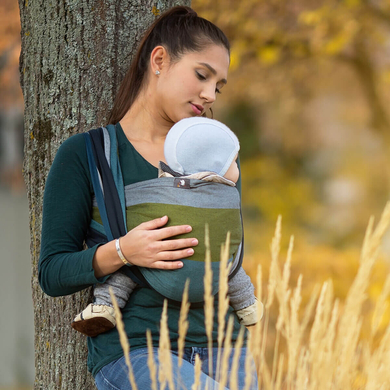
pixel 250 315
pixel 94 320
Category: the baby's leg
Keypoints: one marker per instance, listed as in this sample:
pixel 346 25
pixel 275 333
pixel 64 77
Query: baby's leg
pixel 121 285
pixel 99 317
pixel 242 298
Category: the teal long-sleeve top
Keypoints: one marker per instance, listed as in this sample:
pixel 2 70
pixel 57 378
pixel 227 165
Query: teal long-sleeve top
pixel 65 268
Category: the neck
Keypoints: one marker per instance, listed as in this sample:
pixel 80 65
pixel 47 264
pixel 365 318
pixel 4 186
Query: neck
pixel 143 122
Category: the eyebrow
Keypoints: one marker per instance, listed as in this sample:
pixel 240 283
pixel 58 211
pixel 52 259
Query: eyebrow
pixel 212 70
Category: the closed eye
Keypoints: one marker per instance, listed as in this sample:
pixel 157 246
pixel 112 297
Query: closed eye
pixel 201 77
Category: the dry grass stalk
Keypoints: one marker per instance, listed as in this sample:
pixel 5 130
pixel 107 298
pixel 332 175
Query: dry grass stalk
pixel 208 299
pixel 123 339
pixel 257 347
pixel 237 351
pixel 333 357
pixel 259 288
pixel 256 342
pixel 309 309
pixel 377 364
pixel 223 298
pixel 274 267
pixel 275 357
pixel 250 368
pixel 278 382
pixel 302 374
pixel 198 370
pixel 151 362
pixel 287 264
pixel 380 308
pixel 164 351
pixel 350 322
pixel 183 323
pixel 294 331
pixel 227 350
pixel 288 319
pixel 318 341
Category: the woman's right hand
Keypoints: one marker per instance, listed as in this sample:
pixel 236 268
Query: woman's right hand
pixel 147 246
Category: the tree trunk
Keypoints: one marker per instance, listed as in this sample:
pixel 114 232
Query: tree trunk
pixel 74 55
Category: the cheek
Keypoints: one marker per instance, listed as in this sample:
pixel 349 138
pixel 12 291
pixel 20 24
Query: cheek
pixel 176 89
pixel 237 172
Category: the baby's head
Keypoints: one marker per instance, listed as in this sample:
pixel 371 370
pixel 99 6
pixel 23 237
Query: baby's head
pixel 200 144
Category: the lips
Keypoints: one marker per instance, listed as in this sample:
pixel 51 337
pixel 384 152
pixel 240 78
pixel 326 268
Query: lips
pixel 197 108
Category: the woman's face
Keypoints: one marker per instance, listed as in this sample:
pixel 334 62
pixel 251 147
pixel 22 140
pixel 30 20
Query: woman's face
pixel 189 87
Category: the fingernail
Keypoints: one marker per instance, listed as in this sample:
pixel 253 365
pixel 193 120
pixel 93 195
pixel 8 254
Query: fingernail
pixel 194 241
pixel 179 265
pixel 190 251
pixel 188 228
pixel 162 218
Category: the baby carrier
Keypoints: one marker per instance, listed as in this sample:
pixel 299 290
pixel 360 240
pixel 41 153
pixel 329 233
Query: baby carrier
pixel 118 209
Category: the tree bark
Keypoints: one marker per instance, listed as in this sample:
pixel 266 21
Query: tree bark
pixel 73 58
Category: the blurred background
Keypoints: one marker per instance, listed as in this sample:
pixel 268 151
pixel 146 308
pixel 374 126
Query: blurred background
pixel 308 96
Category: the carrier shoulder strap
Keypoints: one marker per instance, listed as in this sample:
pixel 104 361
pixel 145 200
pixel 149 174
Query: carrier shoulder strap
pixel 107 180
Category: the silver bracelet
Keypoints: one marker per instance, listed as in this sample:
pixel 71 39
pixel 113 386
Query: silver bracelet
pixel 120 254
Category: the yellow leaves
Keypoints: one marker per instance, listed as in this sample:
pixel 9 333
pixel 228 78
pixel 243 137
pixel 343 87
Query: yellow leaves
pixel 311 18
pixel 155 11
pixel 299 49
pixel 333 28
pixel 336 44
pixel 339 41
pixel 269 54
pixel 385 76
pixel 271 190
pixel 352 3
pixel 237 51
pixel 234 59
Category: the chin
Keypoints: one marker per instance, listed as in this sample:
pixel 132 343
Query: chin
pixel 184 116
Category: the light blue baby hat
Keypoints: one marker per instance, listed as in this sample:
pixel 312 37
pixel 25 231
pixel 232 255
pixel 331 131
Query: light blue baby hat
pixel 200 144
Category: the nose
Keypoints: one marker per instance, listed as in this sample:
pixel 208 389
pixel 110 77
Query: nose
pixel 208 94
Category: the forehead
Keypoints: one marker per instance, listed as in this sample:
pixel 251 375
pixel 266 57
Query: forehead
pixel 214 55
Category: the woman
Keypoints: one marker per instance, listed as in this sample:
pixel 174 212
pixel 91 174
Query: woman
pixel 181 64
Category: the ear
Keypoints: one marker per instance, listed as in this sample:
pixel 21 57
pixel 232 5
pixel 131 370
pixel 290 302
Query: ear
pixel 158 58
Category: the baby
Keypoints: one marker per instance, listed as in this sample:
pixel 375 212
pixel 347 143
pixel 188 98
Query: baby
pixel 198 149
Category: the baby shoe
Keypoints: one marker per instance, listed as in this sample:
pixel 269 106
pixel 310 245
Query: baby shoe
pixel 94 320
pixel 250 315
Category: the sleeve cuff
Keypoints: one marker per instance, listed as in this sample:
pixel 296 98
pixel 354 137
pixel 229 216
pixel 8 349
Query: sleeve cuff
pixel 251 315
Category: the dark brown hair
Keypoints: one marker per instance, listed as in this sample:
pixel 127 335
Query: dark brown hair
pixel 180 30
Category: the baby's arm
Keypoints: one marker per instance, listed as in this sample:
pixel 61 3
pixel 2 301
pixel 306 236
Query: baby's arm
pixel 243 300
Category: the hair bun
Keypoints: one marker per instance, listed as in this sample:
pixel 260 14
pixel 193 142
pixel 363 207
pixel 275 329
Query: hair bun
pixel 181 10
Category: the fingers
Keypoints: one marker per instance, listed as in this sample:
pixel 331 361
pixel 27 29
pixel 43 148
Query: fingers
pixel 175 255
pixel 168 265
pixel 147 246
pixel 153 224
pixel 173 245
pixel 172 231
pixel 164 233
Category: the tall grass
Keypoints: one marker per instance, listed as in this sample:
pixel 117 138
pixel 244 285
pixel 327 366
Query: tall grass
pixel 319 346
